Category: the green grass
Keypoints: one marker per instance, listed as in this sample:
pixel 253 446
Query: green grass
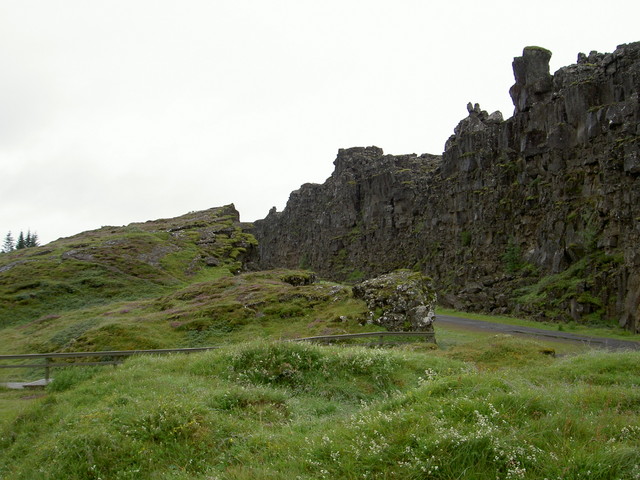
pixel 573 327
pixel 500 409
pixel 225 310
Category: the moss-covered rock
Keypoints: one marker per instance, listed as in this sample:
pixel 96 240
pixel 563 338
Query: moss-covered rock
pixel 400 301
pixel 298 278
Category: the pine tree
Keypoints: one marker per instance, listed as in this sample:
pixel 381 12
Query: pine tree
pixel 32 239
pixel 9 243
pixel 21 243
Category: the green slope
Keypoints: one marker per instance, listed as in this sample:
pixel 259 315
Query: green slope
pixel 120 263
pixel 229 309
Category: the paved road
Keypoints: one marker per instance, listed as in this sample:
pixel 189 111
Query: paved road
pixel 481 325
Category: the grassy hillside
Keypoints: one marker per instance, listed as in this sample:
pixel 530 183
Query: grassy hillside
pixel 120 263
pixel 228 309
pixel 492 409
pixel 160 284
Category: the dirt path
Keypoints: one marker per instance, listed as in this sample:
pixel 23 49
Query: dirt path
pixel 481 325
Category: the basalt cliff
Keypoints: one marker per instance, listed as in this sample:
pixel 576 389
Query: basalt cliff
pixel 537 215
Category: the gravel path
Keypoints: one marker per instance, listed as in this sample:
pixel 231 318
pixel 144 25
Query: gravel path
pixel 481 325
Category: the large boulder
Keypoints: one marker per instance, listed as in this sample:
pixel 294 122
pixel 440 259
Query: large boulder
pixel 401 301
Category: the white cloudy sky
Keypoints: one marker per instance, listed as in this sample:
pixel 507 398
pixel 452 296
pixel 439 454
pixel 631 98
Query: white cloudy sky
pixel 117 111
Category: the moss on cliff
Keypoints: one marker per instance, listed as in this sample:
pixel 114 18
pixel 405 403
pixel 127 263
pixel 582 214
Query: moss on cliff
pixel 575 294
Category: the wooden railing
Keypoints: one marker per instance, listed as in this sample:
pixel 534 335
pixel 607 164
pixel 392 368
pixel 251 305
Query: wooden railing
pixel 428 336
pixel 49 358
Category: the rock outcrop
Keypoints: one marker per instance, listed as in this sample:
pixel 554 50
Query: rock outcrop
pixel 538 214
pixel 400 301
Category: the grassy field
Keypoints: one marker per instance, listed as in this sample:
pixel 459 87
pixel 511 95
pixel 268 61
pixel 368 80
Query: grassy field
pixel 495 407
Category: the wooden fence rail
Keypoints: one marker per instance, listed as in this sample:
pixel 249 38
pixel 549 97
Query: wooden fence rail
pixel 429 336
pixel 49 358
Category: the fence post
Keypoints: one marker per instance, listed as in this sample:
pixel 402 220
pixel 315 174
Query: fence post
pixel 47 361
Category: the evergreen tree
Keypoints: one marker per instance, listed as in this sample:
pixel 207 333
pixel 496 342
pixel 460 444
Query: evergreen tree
pixel 9 243
pixel 21 243
pixel 32 239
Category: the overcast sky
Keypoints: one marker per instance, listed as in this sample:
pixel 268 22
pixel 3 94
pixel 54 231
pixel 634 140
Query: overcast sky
pixel 117 111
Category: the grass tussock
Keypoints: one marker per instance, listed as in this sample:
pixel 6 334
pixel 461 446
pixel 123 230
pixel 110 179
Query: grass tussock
pixel 500 351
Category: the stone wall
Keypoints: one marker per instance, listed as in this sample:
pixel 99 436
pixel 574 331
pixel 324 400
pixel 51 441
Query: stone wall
pixel 538 214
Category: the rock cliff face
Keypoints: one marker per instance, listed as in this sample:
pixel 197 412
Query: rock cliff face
pixel 537 214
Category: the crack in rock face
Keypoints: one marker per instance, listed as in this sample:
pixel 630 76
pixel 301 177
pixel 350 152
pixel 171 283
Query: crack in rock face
pixel 400 301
